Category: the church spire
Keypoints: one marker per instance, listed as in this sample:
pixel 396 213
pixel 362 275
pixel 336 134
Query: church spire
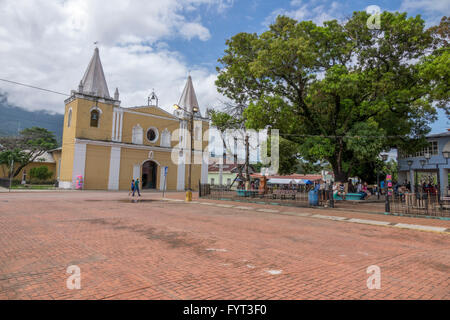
pixel 94 81
pixel 188 98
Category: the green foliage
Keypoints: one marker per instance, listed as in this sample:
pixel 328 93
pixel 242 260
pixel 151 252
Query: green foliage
pixel 288 151
pixel 222 120
pixel 306 167
pixel 391 167
pixel 14 156
pixel 341 92
pixel 40 173
pixel 30 145
pixel 38 139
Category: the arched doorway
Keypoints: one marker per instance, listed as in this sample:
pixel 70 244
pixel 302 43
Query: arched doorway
pixel 149 169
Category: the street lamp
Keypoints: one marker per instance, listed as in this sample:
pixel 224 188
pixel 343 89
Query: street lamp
pixel 191 129
pixel 422 162
pixel 410 163
pixel 427 156
pixel 384 157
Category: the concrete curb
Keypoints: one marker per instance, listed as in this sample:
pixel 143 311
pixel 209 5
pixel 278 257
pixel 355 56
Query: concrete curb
pixel 326 217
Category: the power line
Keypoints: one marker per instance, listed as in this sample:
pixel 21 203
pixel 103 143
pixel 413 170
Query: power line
pixel 281 134
pixel 34 87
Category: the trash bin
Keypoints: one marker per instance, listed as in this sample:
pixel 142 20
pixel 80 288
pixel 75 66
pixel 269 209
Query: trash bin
pixel 313 197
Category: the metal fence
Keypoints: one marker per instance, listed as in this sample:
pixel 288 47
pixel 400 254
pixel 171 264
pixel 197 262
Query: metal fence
pixel 420 204
pixel 296 197
pixel 4 182
pixel 414 204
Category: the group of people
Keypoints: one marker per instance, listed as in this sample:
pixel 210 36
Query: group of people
pixel 424 187
pixel 361 188
pixel 135 187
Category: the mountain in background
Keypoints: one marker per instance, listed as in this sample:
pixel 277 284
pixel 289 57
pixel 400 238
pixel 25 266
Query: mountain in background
pixel 13 118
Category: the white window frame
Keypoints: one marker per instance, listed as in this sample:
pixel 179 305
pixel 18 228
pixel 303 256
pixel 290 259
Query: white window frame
pixel 156 134
pixel 69 118
pixel 166 138
pixel 137 134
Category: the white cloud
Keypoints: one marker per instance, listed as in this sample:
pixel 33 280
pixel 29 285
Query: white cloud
pixel 433 6
pixel 433 10
pixel 312 10
pixel 49 44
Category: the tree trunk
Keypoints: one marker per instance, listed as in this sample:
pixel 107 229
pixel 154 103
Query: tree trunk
pixel 336 163
pixel 340 176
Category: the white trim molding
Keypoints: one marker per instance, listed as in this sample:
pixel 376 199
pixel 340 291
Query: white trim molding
pixel 122 145
pixel 117 124
pixel 69 117
pixel 96 108
pixel 114 169
pixel 79 161
pixel 137 134
pixel 65 185
pixel 156 134
pixel 166 138
pixel 149 114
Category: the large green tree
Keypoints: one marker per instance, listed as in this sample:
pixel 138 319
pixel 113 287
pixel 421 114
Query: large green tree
pixel 342 92
pixel 27 147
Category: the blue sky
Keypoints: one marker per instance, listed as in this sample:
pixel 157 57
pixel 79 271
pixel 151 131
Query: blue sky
pixel 146 44
pixel 254 16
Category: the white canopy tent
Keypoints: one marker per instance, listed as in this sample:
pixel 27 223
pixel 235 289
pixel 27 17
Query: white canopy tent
pixel 288 181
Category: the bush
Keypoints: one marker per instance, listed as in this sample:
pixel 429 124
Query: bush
pixel 40 173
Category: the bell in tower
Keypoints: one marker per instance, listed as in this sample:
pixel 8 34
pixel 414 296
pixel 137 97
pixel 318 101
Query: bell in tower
pixel 153 99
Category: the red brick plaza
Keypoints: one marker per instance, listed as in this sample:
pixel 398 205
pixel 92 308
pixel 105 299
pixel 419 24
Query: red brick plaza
pixel 211 250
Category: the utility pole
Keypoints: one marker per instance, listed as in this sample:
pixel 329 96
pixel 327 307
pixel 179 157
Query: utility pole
pixel 189 197
pixel 191 127
pixel 247 159
pixel 11 174
pixel 221 163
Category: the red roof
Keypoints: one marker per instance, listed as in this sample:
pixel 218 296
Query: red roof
pixel 312 177
pixel 227 167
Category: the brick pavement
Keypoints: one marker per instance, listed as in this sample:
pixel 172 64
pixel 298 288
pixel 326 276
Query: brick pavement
pixel 172 250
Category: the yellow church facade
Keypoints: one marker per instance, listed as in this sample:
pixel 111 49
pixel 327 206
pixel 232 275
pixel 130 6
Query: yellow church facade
pixel 108 145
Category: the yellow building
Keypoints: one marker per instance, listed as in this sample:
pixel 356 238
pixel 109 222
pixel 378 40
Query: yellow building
pixel 109 145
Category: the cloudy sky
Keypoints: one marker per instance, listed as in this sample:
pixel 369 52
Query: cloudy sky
pixel 147 44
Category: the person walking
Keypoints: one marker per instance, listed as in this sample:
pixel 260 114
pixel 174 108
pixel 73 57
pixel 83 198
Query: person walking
pixel 136 187
pixel 132 188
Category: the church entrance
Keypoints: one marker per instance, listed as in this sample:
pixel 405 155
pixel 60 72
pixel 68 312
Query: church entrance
pixel 149 169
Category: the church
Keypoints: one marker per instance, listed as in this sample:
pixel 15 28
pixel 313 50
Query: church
pixel 106 145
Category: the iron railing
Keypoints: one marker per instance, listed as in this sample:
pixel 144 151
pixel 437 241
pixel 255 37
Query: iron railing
pixel 414 204
pixel 420 204
pixel 291 197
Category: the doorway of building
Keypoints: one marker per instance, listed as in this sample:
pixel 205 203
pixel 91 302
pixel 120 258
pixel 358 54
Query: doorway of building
pixel 149 169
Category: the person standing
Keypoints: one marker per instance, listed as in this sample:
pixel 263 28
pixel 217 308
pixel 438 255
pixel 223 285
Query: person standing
pixel 132 188
pixel 136 187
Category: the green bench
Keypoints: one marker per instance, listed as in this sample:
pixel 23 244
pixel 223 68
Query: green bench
pixel 349 196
